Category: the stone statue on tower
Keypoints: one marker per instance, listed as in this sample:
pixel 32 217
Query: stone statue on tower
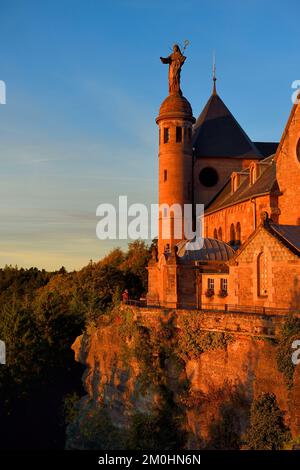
pixel 175 61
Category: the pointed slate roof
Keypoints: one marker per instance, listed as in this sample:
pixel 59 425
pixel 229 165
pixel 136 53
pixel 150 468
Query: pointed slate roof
pixel 288 235
pixel 266 183
pixel 266 148
pixel 217 133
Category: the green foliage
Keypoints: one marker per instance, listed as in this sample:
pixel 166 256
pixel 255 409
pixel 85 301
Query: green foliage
pixel 193 341
pixel 38 327
pixel 70 407
pixel 229 408
pixel 21 283
pixel 160 430
pixel 94 430
pixel 151 359
pixel 233 413
pixel 17 330
pixel 267 430
pixel 290 331
pixel 40 316
pixel 101 284
pixel 127 325
pixel 293 444
pixel 143 433
pixel 224 433
pixel 133 266
pixel 154 349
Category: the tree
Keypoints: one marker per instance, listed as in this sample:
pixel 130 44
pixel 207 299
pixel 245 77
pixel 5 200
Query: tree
pixel 290 331
pixel 267 430
pixel 134 266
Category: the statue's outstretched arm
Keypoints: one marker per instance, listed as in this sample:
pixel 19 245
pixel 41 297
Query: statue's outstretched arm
pixel 165 60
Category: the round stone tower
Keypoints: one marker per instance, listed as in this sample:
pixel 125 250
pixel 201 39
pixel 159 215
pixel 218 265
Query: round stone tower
pixel 175 121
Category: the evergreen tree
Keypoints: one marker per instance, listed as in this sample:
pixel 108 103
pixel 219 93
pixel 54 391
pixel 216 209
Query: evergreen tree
pixel 267 430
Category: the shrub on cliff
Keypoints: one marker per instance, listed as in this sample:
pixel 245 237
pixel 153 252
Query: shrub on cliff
pixel 154 350
pixel 160 430
pixel 267 430
pixel 290 332
pixel 193 341
pixel 226 410
pixel 224 433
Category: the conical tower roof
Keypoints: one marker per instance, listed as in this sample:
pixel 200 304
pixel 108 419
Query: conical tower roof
pixel 217 133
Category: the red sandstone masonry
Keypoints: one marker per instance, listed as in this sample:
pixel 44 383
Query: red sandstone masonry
pixel 238 323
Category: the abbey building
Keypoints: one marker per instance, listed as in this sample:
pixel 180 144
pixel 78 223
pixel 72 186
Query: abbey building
pixel 250 256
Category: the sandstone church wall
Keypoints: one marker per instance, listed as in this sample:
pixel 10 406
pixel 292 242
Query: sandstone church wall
pixel 288 171
pixel 246 213
pixel 283 291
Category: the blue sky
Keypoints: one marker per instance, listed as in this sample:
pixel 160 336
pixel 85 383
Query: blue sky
pixel 84 84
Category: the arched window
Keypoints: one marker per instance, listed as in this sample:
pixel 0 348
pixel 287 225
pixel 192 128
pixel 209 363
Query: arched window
pixel 232 234
pixel 215 233
pixel 234 182
pixel 262 275
pixel 220 235
pixel 298 150
pixel 252 175
pixel 238 233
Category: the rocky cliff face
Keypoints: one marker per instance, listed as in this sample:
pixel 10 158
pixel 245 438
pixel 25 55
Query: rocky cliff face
pixel 212 368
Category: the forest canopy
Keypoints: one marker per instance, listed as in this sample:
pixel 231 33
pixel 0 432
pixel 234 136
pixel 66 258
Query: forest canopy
pixel 41 314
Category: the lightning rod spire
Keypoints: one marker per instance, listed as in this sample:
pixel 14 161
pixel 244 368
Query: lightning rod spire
pixel 214 74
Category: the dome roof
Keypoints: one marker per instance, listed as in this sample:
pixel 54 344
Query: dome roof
pixel 204 249
pixel 175 105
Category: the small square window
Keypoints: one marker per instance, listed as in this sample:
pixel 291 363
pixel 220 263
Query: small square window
pixel 210 284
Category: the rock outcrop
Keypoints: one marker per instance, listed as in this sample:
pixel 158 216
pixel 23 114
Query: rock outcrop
pixel 214 379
